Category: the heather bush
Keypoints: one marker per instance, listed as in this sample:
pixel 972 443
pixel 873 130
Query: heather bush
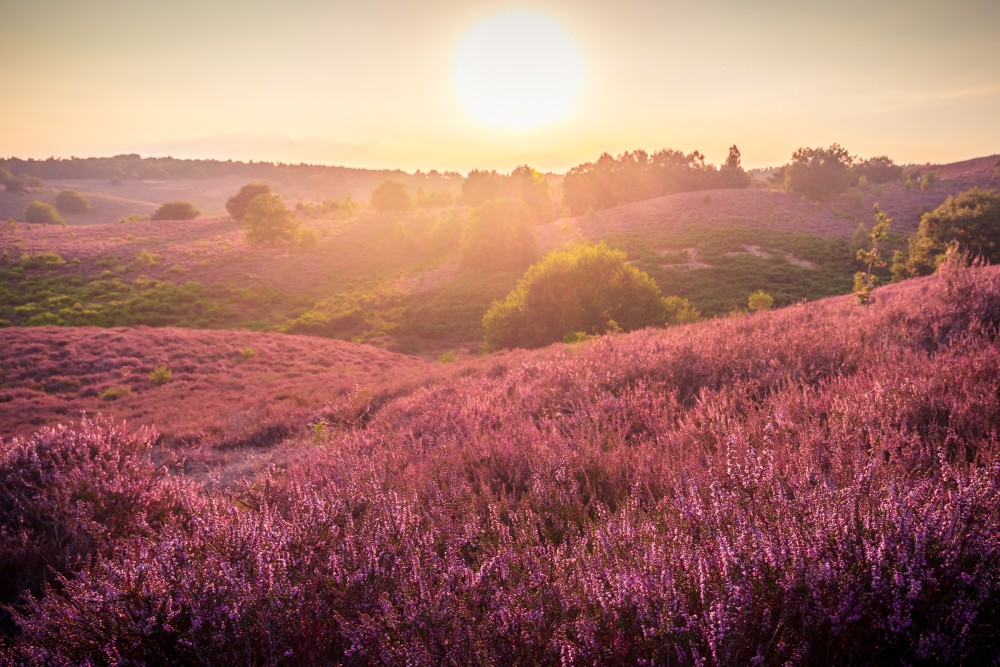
pixel 68 493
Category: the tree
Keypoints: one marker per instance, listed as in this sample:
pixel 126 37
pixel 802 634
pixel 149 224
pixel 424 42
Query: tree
pixel 587 289
pixel 71 201
pixel 176 210
pixel 879 169
pixel 40 212
pixel 238 203
pixel 499 236
pixel 391 196
pixel 865 281
pixel 269 222
pixel 971 220
pixel 732 175
pixel 819 172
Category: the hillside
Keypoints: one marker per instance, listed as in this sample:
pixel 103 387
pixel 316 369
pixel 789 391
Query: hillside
pixel 229 394
pixel 398 279
pixel 814 485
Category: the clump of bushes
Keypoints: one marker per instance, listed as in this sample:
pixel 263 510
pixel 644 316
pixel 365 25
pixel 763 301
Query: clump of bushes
pixel 498 236
pixel 71 201
pixel 589 289
pixel 41 213
pixel 269 222
pixel 971 220
pixel 391 196
pixel 176 210
pixel 238 203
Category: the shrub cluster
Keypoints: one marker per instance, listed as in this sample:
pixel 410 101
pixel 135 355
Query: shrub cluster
pixel 71 201
pixel 41 213
pixel 588 289
pixel 176 210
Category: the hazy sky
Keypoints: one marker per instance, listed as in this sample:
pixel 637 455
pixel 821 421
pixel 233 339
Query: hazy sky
pixel 368 84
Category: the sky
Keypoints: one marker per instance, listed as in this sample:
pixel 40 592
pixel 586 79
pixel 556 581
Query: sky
pixel 370 84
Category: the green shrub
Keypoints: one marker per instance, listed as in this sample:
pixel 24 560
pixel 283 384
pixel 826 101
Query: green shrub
pixel 114 393
pixel 238 203
pixel 247 353
pixel 269 222
pixel 176 210
pixel 588 289
pixel 71 201
pixel 40 212
pixel 678 310
pixel 160 375
pixel 760 300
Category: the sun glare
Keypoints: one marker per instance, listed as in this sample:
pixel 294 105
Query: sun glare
pixel 517 69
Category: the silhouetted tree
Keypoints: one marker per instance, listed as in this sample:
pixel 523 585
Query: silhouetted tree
pixel 819 172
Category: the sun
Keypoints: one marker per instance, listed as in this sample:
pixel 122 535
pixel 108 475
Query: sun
pixel 517 69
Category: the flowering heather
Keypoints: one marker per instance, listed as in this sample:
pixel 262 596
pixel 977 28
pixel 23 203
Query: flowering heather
pixel 813 485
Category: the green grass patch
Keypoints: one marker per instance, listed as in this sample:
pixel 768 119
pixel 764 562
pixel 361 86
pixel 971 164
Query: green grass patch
pixel 733 272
